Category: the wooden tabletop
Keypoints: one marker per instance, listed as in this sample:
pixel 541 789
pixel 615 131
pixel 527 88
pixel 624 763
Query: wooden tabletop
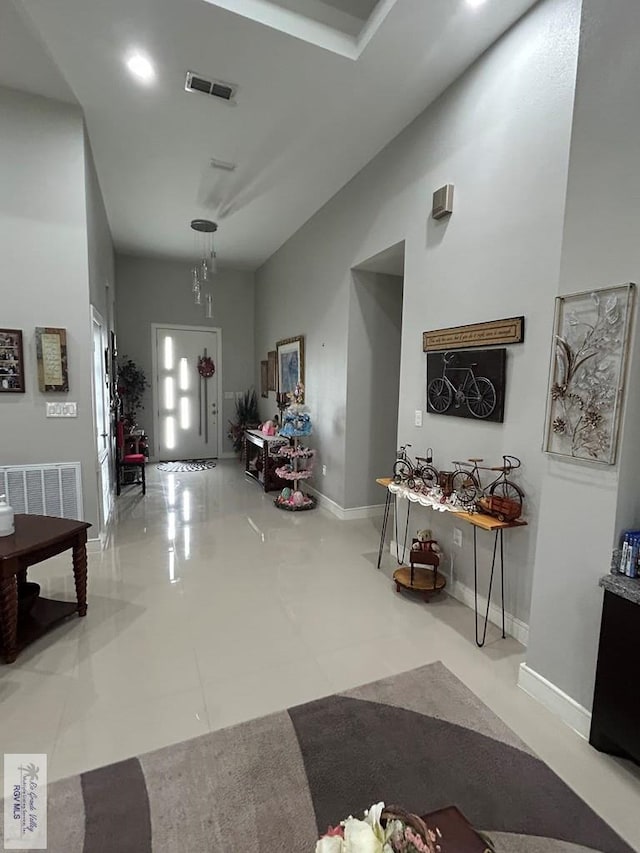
pixel 477 519
pixel 38 531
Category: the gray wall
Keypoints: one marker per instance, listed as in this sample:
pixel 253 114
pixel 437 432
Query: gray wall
pixel 154 290
pixel 44 277
pixel 373 381
pixel 102 291
pixel 585 507
pixel 501 135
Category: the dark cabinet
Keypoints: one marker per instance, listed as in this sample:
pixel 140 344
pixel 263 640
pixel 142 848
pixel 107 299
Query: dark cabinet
pixel 615 720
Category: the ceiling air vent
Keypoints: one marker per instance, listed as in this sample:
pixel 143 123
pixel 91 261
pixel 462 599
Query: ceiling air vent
pixel 215 88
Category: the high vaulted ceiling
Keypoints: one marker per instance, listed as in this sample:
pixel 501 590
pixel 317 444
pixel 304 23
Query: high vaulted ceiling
pixel 307 117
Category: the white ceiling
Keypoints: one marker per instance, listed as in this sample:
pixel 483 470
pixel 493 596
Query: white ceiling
pixel 307 118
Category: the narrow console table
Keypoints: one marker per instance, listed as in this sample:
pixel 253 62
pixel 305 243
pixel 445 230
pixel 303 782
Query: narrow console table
pixel 37 538
pixel 261 458
pixel 477 520
pixel 616 699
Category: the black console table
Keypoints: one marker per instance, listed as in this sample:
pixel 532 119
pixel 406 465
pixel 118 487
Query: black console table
pixel 261 458
pixel 615 720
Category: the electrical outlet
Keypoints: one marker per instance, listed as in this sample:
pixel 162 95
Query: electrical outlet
pixel 62 410
pixel 324 470
pixel 418 419
pixel 457 537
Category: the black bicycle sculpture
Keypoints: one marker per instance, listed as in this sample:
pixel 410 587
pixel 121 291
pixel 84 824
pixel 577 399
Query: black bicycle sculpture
pixel 476 392
pixel 501 497
pixel 406 471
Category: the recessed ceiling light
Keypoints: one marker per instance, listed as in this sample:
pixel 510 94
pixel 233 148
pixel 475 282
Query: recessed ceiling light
pixel 474 4
pixel 141 67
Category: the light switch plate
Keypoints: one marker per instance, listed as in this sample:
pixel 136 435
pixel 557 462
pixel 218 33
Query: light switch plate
pixel 62 410
pixel 229 395
pixel 418 419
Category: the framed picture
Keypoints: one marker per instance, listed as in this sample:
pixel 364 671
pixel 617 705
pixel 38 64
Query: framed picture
pixel 264 378
pixel 51 355
pixel 586 381
pixel 467 384
pixel 11 361
pixel 290 363
pixel 272 358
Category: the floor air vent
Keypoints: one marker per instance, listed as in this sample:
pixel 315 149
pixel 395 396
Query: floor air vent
pixel 215 88
pixel 51 489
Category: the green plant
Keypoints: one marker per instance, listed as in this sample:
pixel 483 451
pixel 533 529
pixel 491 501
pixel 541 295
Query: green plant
pixel 247 417
pixel 132 383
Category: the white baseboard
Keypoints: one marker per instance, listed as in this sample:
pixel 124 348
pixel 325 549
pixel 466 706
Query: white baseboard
pixel 569 711
pixel 348 514
pixel 515 627
pixel 94 546
pixel 228 454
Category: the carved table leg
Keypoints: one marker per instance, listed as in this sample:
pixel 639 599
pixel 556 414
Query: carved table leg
pixel 9 617
pixel 80 573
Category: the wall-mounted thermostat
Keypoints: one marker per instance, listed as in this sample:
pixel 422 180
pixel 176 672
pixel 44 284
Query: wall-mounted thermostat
pixel 442 202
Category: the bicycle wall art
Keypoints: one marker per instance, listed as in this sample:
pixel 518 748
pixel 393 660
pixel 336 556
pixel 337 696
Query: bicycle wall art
pixel 467 384
pixel 585 396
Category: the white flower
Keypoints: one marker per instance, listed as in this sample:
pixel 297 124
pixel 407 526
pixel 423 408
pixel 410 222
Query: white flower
pixel 359 837
pixel 330 844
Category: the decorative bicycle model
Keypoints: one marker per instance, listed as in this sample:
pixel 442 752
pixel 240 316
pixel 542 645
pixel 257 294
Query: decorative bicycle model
pixel 410 473
pixel 501 498
pixel 476 392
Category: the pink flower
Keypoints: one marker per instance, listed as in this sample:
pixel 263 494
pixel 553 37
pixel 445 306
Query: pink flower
pixel 335 830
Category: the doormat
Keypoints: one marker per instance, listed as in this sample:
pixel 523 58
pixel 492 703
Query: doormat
pixel 186 465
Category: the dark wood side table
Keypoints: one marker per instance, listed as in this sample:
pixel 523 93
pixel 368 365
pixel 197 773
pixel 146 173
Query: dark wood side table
pixel 261 458
pixel 37 538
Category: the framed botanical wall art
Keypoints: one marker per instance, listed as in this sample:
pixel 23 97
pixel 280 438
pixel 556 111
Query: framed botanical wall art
pixel 51 355
pixel 467 384
pixel 586 385
pixel 11 361
pixel 290 363
pixel 264 378
pixel 272 360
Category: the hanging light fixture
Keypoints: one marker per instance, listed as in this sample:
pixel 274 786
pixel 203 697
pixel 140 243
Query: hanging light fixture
pixel 206 266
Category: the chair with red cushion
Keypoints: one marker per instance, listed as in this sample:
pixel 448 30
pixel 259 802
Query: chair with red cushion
pixel 124 459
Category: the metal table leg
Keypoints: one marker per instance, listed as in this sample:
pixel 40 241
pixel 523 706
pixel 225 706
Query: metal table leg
pixel 480 641
pixel 385 519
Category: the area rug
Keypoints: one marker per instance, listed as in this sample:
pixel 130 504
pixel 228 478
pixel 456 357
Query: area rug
pixel 186 465
pixel 420 739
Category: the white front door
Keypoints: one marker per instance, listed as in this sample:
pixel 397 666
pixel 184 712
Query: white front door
pixel 186 402
pixel 101 418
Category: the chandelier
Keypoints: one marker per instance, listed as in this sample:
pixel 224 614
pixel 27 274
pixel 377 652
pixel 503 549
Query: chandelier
pixel 206 266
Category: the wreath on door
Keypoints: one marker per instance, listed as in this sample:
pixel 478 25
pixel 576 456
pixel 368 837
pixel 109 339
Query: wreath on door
pixel 206 367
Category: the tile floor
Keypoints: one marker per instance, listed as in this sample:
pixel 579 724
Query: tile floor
pixel 210 607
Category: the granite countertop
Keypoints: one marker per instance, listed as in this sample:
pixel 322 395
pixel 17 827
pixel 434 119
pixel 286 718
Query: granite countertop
pixel 625 587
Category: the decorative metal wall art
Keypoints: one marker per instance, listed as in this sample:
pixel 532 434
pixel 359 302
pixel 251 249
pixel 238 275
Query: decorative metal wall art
pixel 272 359
pixel 264 378
pixel 51 355
pixel 467 384
pixel 11 361
pixel 586 385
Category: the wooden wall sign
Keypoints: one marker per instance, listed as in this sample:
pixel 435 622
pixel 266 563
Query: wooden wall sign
pixel 509 331
pixel 51 354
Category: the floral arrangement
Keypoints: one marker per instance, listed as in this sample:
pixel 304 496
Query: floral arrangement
pixel 401 833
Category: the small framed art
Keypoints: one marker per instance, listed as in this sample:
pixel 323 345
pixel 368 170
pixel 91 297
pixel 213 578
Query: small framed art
pixel 11 362
pixel 51 355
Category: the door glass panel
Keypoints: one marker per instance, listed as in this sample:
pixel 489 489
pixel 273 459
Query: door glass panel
pixel 184 374
pixel 170 432
pixel 168 353
pixel 169 396
pixel 185 419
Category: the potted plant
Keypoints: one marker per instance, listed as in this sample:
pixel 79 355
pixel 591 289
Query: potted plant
pixel 247 417
pixel 132 383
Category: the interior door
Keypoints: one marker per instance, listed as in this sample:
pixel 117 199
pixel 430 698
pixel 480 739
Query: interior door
pixel 187 403
pixel 101 417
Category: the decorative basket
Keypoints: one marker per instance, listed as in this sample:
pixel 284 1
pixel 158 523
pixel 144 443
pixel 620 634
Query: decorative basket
pixel 412 820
